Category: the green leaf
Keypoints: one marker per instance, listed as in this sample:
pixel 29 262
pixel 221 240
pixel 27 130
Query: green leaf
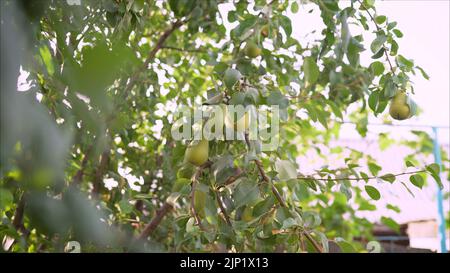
pixel 377 68
pixel 286 170
pixel 398 33
pixel 246 193
pixel 373 192
pixel 394 48
pixel 388 177
pixel 374 168
pixel 276 98
pixel 433 168
pixel 378 43
pixel 393 208
pixel 125 206
pixel 390 89
pixel 391 25
pixel 409 164
pixel 390 223
pixel 345 246
pixel 380 19
pixel 222 169
pixel 373 101
pixel 378 54
pixel 294 7
pixel 288 223
pixel 424 74
pixel 47 59
pixel 6 199
pixel 364 176
pixel 286 25
pixel 403 62
pixel 311 70
pixel 231 16
pixel 434 171
pixel 417 180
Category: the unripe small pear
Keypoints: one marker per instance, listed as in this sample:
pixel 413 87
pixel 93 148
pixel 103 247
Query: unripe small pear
pixel 399 109
pixel 252 50
pixel 197 154
pixel 200 202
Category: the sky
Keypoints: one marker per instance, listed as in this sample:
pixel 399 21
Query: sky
pixel 425 25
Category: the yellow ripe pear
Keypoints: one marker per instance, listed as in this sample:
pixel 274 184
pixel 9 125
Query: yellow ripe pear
pixel 399 109
pixel 252 50
pixel 197 154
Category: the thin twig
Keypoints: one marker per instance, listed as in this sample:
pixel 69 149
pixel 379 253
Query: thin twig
pixel 18 216
pixel 313 242
pixel 152 55
pixel 302 242
pixel 195 50
pixel 238 173
pixel 222 209
pixel 100 171
pixel 378 28
pixel 355 178
pixel 265 177
pixel 160 213
pixel 193 186
pixel 78 177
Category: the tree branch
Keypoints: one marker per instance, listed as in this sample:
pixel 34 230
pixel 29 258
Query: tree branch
pixel 160 213
pixel 100 171
pixel 378 28
pixel 195 50
pixel 232 178
pixel 18 216
pixel 78 177
pixel 313 242
pixel 193 186
pixel 265 177
pixel 355 178
pixel 152 55
pixel 222 209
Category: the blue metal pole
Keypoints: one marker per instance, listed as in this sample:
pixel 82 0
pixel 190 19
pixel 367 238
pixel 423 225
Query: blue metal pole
pixel 441 220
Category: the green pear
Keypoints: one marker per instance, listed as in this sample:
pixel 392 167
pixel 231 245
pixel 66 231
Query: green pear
pixel 399 109
pixel 197 154
pixel 200 202
pixel 231 77
pixel 252 50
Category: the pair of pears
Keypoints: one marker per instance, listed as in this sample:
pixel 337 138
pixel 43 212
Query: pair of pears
pixel 197 153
